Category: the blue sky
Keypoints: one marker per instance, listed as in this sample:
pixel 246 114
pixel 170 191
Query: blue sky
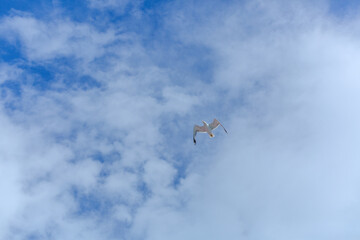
pixel 98 100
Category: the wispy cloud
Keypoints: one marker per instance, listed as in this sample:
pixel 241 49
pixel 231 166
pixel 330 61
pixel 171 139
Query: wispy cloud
pixel 117 5
pixel 97 142
pixel 43 40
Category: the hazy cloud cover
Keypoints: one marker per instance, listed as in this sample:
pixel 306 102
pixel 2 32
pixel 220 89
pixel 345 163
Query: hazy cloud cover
pixel 98 100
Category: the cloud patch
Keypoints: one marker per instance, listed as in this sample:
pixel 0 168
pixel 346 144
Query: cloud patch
pixel 116 160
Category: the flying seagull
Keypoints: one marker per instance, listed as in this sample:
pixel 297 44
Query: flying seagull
pixel 207 128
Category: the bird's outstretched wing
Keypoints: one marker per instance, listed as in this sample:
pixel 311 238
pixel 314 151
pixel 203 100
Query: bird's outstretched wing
pixel 215 124
pixel 198 129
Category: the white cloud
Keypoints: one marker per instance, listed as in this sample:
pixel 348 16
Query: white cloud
pixel 109 4
pixel 44 40
pixel 77 156
pixel 8 72
pixel 288 167
pixel 178 99
pixel 100 163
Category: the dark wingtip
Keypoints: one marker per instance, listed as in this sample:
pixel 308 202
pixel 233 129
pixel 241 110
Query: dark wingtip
pixel 194 141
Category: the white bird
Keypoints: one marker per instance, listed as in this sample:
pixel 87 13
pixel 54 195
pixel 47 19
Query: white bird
pixel 207 128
